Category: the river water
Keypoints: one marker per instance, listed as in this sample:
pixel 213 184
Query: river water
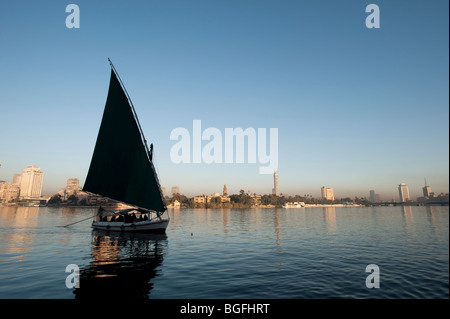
pixel 229 253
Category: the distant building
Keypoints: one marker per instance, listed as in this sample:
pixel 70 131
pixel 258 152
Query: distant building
pixel 175 190
pixel 403 193
pixel 201 199
pixel 72 188
pixel 275 184
pixel 378 198
pixel 8 192
pixel 3 186
pixel 73 183
pixel 256 199
pixel 426 190
pixel 31 182
pixel 372 196
pixel 210 197
pixel 225 192
pixel 327 193
pixel 16 179
pixel 205 199
pixel 163 189
pixel 434 198
pixel 223 199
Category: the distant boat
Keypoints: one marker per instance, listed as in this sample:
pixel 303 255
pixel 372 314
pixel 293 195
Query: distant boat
pixel 122 169
pixel 294 205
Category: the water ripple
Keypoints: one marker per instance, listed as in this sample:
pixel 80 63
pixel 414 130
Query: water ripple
pixel 266 253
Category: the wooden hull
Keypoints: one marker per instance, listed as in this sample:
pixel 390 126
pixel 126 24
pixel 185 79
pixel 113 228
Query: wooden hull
pixel 153 226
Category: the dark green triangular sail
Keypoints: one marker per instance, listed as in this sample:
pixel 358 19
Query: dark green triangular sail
pixel 120 167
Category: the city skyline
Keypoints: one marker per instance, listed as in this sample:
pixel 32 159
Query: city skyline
pixel 347 100
pixel 326 193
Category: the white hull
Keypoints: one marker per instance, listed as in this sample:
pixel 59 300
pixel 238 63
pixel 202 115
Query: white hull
pixel 294 205
pixel 157 226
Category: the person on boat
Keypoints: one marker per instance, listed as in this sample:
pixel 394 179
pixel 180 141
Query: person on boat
pixel 100 213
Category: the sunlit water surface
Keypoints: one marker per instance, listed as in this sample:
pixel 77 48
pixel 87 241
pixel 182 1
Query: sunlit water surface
pixel 252 253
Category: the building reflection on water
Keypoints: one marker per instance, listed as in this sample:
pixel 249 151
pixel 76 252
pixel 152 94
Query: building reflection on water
pixel 329 214
pixel 20 223
pixel 408 218
pixel 431 217
pixel 122 265
pixel 277 229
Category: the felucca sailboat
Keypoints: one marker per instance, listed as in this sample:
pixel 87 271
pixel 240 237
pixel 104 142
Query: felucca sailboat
pixel 122 169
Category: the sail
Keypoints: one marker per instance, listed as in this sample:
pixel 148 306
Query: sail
pixel 120 167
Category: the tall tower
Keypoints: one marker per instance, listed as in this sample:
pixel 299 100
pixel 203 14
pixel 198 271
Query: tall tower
pixel 31 182
pixel 426 190
pixel 403 193
pixel 275 183
pixel 372 196
pixel 225 192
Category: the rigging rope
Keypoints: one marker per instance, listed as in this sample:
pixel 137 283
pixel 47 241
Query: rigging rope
pixel 80 221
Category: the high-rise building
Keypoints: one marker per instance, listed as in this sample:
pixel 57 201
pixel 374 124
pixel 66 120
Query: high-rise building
pixel 327 193
pixel 225 192
pixel 372 196
pixel 426 190
pixel 403 192
pixel 377 198
pixel 72 188
pixel 175 190
pixel 275 183
pixel 31 182
pixel 16 179
pixel 73 183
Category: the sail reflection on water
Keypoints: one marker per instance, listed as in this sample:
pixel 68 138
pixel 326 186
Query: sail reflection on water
pixel 122 265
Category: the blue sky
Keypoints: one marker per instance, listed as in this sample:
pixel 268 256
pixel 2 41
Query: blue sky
pixel 356 108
